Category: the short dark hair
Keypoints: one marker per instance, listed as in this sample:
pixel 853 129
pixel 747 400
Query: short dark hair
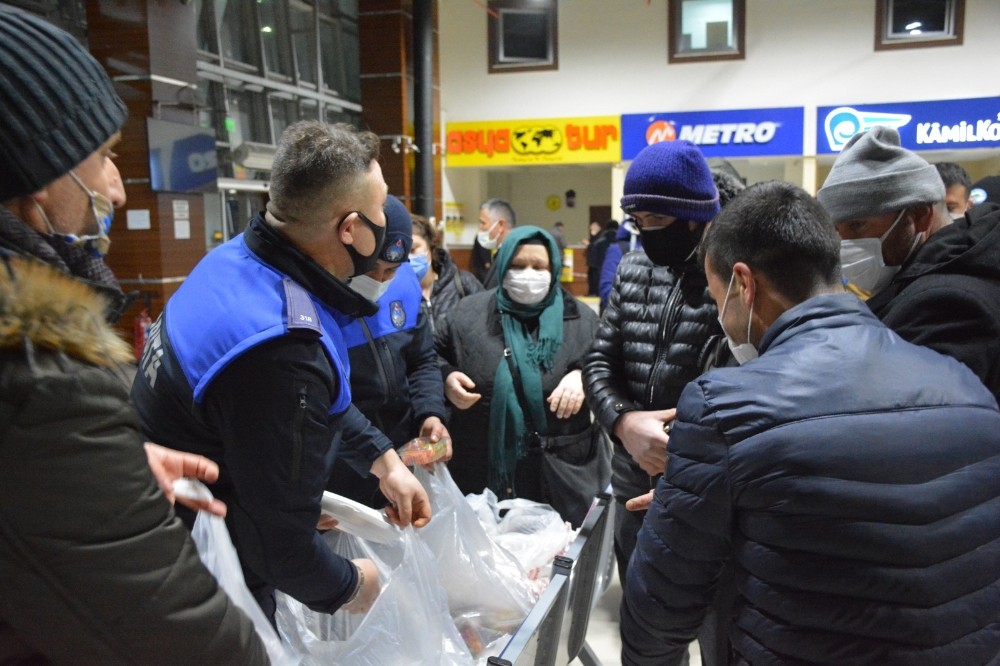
pixel 954 174
pixel 498 208
pixel 317 166
pixel 780 230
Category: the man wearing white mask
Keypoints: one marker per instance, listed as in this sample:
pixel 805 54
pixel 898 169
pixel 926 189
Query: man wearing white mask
pixel 496 219
pixel 848 476
pixel 933 281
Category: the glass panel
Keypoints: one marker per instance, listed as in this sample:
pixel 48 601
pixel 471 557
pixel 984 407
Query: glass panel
pixel 247 119
pixel 334 115
pixel 284 112
pixel 348 8
pixel 707 26
pixel 207 20
pixel 303 37
pixel 309 110
pixel 274 34
pixel 239 30
pixel 331 51
pixel 920 18
pixel 211 108
pixel 351 60
pixel 525 36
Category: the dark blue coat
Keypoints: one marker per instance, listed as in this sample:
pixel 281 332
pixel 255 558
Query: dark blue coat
pixel 853 478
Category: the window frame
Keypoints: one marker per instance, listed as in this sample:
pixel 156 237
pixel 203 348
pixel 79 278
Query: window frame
pixel 674 26
pixel 495 11
pixel 883 42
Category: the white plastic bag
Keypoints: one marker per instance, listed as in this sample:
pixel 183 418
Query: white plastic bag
pixel 217 553
pixel 409 622
pixel 534 533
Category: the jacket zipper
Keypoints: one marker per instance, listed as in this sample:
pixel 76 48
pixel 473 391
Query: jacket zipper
pixel 297 421
pixel 386 386
pixel 665 323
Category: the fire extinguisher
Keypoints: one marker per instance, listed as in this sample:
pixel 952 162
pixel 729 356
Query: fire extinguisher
pixel 140 330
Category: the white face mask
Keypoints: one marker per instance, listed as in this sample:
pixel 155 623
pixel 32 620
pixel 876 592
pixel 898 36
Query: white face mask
pixel 746 351
pixel 368 287
pixel 526 285
pixel 484 238
pixel 862 263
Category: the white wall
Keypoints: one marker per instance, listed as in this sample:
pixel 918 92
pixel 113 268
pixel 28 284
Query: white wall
pixel 613 60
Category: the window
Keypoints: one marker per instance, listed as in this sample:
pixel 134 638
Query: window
pixel 706 30
pixel 914 24
pixel 523 35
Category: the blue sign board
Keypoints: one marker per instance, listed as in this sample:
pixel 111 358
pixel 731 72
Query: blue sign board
pixel 938 125
pixel 731 133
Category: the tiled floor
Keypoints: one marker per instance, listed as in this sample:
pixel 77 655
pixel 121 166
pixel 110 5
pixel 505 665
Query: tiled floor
pixel 602 632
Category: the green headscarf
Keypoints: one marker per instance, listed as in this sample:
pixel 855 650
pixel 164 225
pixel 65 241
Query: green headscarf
pixel 507 423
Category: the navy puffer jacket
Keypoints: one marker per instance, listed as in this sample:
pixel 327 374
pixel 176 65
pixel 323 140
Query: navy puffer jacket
pixel 853 479
pixel 658 332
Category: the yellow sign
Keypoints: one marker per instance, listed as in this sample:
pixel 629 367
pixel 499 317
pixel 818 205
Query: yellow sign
pixel 535 141
pixel 553 203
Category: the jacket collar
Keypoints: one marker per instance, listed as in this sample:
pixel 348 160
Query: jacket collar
pixel 824 311
pixel 275 249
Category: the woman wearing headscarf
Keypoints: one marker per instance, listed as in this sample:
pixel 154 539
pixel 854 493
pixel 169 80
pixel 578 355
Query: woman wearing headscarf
pixel 512 371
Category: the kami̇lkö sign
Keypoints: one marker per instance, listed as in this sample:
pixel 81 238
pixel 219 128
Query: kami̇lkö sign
pixel 534 141
pixel 933 125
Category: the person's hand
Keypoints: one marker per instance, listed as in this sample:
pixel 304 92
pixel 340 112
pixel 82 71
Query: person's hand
pixel 640 503
pixel 643 436
pixel 436 431
pixel 169 465
pixel 326 523
pixel 567 398
pixel 457 389
pixel 408 501
pixel 370 587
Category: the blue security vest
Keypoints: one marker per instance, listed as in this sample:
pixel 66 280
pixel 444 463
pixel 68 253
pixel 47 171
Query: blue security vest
pixel 232 302
pixel 398 310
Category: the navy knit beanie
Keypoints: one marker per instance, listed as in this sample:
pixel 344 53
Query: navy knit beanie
pixel 57 103
pixel 671 178
pixel 398 232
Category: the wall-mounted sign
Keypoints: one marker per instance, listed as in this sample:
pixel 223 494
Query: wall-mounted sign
pixel 534 141
pixel 944 124
pixel 731 133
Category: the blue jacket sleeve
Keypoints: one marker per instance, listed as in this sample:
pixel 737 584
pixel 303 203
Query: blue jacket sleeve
pixel 271 408
pixel 608 269
pixel 684 541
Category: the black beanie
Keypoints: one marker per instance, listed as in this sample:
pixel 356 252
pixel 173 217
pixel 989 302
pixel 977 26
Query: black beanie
pixel 57 103
pixel 671 178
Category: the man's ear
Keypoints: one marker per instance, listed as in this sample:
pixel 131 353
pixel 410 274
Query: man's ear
pixel 923 216
pixel 345 230
pixel 744 283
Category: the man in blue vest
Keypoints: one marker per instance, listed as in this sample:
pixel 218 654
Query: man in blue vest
pixel 395 378
pixel 247 366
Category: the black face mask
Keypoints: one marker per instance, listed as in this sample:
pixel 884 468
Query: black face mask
pixel 671 245
pixel 363 264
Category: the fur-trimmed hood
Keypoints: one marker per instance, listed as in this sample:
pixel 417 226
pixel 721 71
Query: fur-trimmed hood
pixel 43 307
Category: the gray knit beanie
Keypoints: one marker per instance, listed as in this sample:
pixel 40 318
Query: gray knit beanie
pixel 57 103
pixel 874 175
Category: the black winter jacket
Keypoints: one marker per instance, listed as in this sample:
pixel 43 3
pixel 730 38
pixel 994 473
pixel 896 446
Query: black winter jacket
pixel 446 293
pixel 853 479
pixel 471 341
pixel 95 567
pixel 948 296
pixel 659 331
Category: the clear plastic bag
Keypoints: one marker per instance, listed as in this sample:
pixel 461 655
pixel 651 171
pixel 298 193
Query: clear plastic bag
pixel 218 554
pixel 409 623
pixel 477 574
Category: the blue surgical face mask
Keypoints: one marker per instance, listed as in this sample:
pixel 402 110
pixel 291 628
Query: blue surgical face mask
pixel 97 242
pixel 420 264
